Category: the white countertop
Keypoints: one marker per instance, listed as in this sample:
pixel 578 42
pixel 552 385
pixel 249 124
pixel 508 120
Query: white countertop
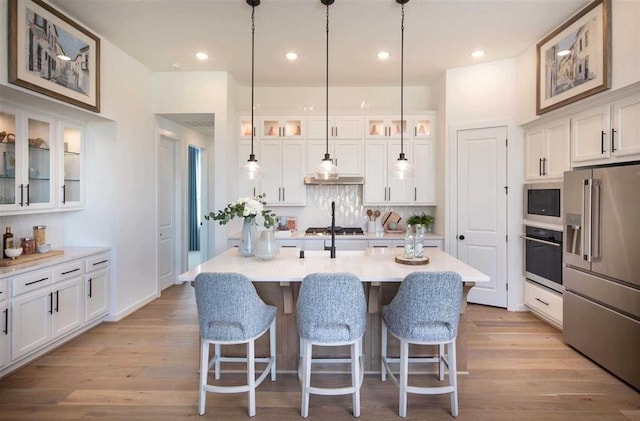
pixel 370 265
pixel 70 253
pixel 300 235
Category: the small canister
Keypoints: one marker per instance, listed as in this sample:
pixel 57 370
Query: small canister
pixel 40 234
pixel 28 245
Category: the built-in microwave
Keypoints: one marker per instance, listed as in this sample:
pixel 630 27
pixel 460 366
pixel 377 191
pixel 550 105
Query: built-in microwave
pixel 543 203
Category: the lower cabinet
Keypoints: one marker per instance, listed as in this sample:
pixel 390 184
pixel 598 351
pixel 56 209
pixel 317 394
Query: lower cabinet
pixel 544 303
pixel 45 305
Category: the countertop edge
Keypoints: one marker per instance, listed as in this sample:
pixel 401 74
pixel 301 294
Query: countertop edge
pixel 70 253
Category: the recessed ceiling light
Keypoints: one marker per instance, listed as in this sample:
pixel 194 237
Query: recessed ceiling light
pixel 202 56
pixel 383 55
pixel 477 54
pixel 175 65
pixel 564 53
pixel 291 56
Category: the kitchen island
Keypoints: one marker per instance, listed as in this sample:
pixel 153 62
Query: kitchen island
pixel 277 282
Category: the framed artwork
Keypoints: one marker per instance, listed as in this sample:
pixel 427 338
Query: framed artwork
pixel 574 61
pixel 53 55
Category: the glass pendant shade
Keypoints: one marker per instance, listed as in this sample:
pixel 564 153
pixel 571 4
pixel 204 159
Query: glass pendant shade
pixel 402 169
pixel 252 170
pixel 326 170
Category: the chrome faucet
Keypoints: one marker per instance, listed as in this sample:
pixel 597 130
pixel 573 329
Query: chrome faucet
pixel 332 248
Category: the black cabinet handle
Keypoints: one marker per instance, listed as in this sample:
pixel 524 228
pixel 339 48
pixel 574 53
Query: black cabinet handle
pixel 544 166
pixel 71 271
pixel 90 287
pixel 35 282
pixel 613 143
pixel 602 142
pixel 28 203
pixel 51 303
pixel 101 262
pixel 461 237
pixel 64 194
pixel 21 194
pixel 543 302
pixel 6 321
pixel 540 166
pixel 58 301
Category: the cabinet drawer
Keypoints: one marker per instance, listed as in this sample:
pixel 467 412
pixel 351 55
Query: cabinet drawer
pixel 386 243
pixel 32 281
pixel 68 271
pixel 99 261
pixel 544 301
pixel 4 289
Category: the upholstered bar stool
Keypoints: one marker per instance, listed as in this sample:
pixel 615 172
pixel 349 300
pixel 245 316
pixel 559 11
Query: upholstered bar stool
pixel 331 311
pixel 425 311
pixel 231 312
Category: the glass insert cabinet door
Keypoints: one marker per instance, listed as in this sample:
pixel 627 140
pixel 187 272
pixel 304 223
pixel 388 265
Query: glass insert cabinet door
pixel 72 169
pixel 8 162
pixel 39 165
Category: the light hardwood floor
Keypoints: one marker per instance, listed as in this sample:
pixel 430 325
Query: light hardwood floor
pixel 145 368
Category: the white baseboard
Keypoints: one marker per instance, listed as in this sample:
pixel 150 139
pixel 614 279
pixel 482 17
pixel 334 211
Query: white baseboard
pixel 132 308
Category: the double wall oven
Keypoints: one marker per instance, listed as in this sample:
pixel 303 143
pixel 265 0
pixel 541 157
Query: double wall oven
pixel 543 234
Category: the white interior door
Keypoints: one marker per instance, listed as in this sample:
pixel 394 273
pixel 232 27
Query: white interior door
pixel 482 210
pixel 166 212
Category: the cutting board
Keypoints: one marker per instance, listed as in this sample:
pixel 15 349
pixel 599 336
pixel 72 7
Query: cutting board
pixel 29 258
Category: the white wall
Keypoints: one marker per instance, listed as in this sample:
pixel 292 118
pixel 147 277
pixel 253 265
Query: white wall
pixel 625 42
pixel 478 96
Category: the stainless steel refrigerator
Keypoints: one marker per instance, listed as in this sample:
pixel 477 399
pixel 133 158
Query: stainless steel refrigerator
pixel 601 272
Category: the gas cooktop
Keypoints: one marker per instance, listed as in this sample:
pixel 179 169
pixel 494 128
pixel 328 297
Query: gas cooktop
pixel 339 231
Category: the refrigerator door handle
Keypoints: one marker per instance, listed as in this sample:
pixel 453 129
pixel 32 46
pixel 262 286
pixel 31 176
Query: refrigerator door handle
pixel 588 233
pixel 596 252
pixel 583 250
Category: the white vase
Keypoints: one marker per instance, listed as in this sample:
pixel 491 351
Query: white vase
pixel 266 247
pixel 248 237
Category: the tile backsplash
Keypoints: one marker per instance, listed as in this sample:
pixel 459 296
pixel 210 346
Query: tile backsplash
pixel 350 211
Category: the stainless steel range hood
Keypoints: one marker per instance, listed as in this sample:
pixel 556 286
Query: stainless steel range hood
pixel 312 181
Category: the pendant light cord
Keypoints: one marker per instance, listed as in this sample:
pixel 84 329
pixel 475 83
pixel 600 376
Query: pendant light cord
pixel 253 30
pixel 402 85
pixel 326 155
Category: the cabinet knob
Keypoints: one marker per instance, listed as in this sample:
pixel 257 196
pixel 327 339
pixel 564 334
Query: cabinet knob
pixel 461 237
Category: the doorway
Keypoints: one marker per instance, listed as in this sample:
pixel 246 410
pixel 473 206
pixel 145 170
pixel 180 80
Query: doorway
pixel 195 191
pixel 166 211
pixel 480 209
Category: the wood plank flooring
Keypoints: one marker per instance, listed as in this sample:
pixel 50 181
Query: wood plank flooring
pixel 145 368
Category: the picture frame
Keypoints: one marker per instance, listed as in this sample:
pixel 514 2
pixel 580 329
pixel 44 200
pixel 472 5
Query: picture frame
pixel 51 54
pixel 574 60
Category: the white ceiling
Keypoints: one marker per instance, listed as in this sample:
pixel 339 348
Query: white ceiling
pixel 439 35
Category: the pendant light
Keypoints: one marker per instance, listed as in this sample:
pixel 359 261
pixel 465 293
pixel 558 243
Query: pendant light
pixel 252 169
pixel 402 169
pixel 327 170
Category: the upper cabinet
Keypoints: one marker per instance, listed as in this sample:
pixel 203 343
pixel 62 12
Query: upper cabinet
pixel 424 177
pixel 423 126
pixel 71 172
pixel 345 143
pixel 291 127
pixel 607 134
pixel 386 127
pixel 547 150
pixel 37 173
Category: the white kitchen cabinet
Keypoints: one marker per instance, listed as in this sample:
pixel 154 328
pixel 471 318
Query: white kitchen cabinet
pixel 244 127
pixel 386 127
pixel 345 143
pixel 379 187
pixel 96 286
pixel 424 178
pixel 71 171
pixel 5 336
pixel 283 170
pixel 607 134
pixel 291 127
pixel 423 126
pixel 547 150
pixel 544 303
pixel 43 311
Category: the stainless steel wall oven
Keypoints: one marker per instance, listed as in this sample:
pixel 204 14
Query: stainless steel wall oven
pixel 543 257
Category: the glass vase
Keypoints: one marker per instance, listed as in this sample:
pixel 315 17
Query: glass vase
pixel 266 247
pixel 248 237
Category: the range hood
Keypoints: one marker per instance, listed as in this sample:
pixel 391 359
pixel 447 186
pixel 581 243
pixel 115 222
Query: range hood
pixel 312 181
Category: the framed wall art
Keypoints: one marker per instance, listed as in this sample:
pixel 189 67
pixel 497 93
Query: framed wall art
pixel 574 61
pixel 51 54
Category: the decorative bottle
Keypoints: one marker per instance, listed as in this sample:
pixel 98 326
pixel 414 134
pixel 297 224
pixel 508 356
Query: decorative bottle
pixel 409 243
pixel 418 248
pixel 7 242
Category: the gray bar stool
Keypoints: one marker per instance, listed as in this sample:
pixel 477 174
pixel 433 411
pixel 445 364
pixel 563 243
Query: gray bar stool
pixel 231 312
pixel 331 311
pixel 425 311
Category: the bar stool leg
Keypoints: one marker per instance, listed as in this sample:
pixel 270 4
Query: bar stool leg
pixel 272 348
pixel 441 362
pixel 306 378
pixel 217 350
pixel 355 377
pixel 383 353
pixel 251 377
pixel 453 378
pixel 404 374
pixel 204 370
